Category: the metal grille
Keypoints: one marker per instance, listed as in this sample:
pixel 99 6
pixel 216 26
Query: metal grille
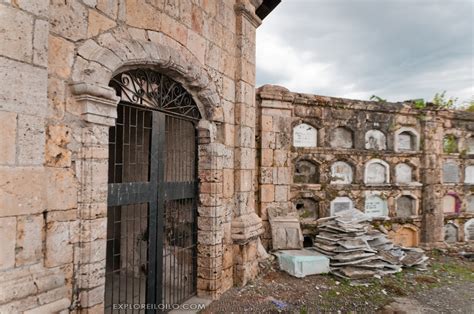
pixel 179 249
pixel 129 145
pixel 151 232
pixel 154 90
pixel 127 225
pixel 127 252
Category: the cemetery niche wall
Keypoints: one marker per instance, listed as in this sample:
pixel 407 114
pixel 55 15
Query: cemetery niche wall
pixel 96 93
pixel 381 158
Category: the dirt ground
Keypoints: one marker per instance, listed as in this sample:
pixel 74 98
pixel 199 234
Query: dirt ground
pixel 446 287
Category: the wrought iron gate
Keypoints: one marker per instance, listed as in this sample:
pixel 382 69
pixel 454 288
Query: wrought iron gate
pixel 151 231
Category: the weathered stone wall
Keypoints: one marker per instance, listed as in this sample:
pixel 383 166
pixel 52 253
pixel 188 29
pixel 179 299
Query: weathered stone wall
pixel 56 60
pixel 318 155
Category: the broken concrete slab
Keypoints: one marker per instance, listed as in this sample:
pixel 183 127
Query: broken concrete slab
pixel 356 250
pixel 286 229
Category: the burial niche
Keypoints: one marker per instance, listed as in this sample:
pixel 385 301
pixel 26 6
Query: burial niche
pixel 340 204
pixel 406 237
pixel 469 230
pixel 306 172
pixel 375 206
pixel 406 139
pixel 376 172
pixel 450 172
pixel 341 173
pixel 403 173
pixel 450 233
pixel 375 139
pixel 470 145
pixel 449 203
pixel 406 206
pixel 341 137
pixel 307 208
pixel 470 203
pixel 304 135
pixel 469 175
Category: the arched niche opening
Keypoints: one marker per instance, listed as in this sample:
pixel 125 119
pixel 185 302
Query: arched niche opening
pixel 341 137
pixel 341 173
pixel 407 139
pixel 469 230
pixel 305 135
pixel 340 204
pixel 470 203
pixel 469 174
pixel 375 139
pixel 406 236
pixel 307 208
pixel 450 172
pixel 376 206
pixel 403 173
pixel 406 206
pixel 451 204
pixel 450 144
pixel 451 233
pixel 470 145
pixel 376 172
pixel 306 172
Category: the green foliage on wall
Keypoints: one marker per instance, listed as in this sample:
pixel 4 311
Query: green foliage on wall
pixel 468 106
pixel 420 103
pixel 377 98
pixel 440 101
pixel 450 144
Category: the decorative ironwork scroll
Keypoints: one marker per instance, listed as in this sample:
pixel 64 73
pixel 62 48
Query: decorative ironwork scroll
pixel 152 89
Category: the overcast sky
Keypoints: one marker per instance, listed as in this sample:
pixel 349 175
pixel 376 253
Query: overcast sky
pixel 395 49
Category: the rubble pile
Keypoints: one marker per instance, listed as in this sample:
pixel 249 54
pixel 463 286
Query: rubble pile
pixel 356 250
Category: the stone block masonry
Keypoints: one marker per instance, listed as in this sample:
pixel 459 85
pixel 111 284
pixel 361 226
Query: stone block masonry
pixel 56 108
pixel 306 153
pixel 387 159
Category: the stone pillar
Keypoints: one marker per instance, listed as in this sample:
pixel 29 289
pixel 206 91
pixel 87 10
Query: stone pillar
pixel 431 164
pixel 98 106
pixel 211 212
pixel 246 225
pixel 274 177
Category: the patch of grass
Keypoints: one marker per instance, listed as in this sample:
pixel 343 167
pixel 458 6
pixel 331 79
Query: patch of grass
pixel 356 294
pixel 425 279
pixel 396 288
pixel 454 270
pixel 436 252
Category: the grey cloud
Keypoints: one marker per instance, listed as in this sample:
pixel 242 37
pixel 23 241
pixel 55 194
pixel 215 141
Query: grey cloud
pixel 399 48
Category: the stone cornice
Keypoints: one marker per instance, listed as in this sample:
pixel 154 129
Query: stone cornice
pixel 99 103
pixel 242 10
pixel 279 93
pixel 93 90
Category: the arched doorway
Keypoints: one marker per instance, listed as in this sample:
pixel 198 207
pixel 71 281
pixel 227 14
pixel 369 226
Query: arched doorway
pixel 152 192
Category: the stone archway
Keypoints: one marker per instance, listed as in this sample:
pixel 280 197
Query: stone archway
pixel 96 103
